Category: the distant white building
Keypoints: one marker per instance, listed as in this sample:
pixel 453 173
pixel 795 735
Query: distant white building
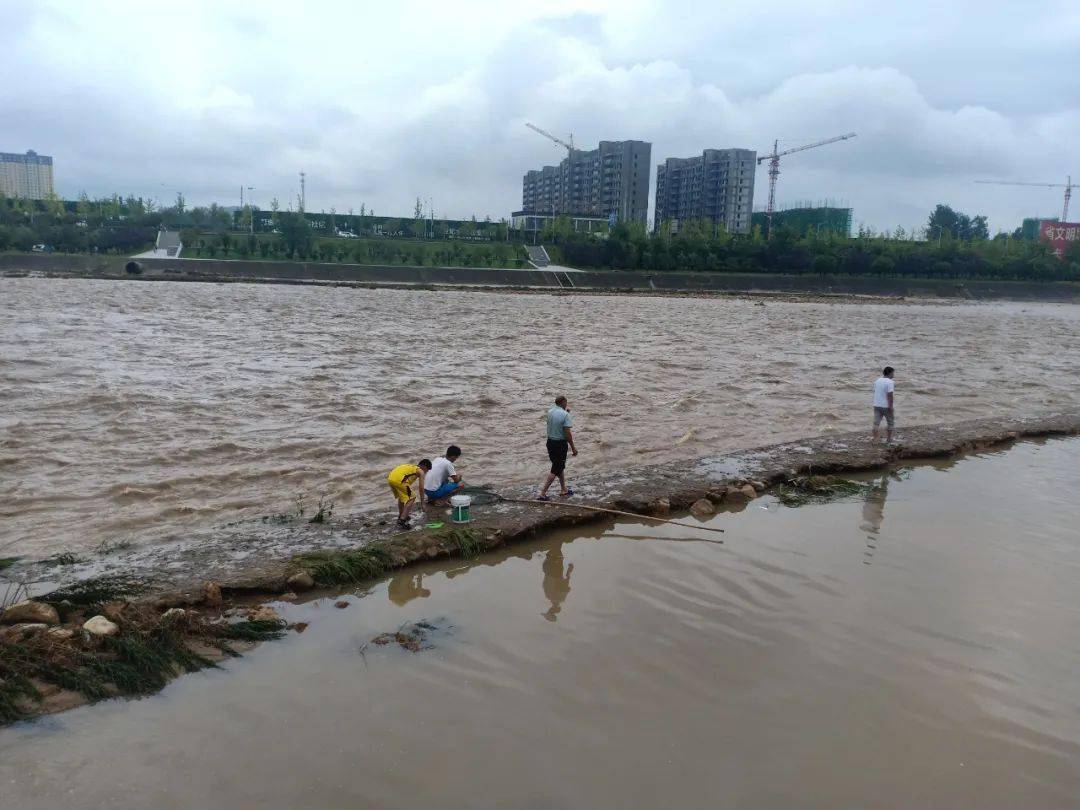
pixel 28 176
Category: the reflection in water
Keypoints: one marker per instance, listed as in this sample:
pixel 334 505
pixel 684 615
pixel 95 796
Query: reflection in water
pixel 771 672
pixel 556 583
pixel 408 584
pixel 873 514
pixel 405 586
pixel 873 509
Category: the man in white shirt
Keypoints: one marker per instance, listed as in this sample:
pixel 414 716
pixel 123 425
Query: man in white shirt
pixel 560 440
pixel 883 403
pixel 443 479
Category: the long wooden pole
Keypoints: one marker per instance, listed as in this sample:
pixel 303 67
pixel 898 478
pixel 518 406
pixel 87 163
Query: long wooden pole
pixel 614 512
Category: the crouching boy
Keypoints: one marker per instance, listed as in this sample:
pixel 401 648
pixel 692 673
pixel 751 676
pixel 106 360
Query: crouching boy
pixel 443 480
pixel 400 480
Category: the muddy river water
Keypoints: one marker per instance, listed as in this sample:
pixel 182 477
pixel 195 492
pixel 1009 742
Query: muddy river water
pixel 141 411
pixel 915 646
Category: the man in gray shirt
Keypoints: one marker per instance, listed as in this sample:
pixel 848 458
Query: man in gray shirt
pixel 560 439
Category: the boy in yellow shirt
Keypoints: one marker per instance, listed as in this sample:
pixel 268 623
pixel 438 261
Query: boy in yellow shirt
pixel 400 481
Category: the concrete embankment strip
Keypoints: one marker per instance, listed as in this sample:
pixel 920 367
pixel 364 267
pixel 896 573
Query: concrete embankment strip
pixel 622 281
pixel 260 557
pixel 55 654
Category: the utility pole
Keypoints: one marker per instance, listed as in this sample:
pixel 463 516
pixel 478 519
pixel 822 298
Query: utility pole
pixel 303 183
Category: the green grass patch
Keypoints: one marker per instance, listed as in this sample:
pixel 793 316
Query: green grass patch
pixel 251 631
pixel 139 665
pixel 345 567
pixel 299 508
pixel 63 558
pixel 139 661
pixel 129 664
pixel 262 630
pixel 16 691
pixel 96 591
pixel 324 512
pixel 467 541
pixel 806 489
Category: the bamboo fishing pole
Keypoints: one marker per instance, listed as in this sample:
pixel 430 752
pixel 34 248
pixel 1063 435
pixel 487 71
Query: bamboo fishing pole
pixel 613 512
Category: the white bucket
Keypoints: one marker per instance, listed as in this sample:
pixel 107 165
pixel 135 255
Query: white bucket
pixel 460 508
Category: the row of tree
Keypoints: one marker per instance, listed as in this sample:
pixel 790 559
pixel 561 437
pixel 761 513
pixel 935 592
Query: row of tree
pixel 953 244
pixel 108 225
pixel 24 223
pixel 295 239
pixel 959 249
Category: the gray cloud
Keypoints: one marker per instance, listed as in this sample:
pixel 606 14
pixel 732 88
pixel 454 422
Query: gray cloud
pixel 381 105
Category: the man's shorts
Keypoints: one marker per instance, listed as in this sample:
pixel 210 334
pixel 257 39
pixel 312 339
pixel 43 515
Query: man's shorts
pixel 557 450
pixel 883 413
pixel 447 489
pixel 402 492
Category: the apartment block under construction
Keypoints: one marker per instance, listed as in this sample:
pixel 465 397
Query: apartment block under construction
pixel 611 181
pixel 717 186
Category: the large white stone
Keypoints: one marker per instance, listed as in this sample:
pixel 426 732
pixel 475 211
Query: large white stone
pixel 100 626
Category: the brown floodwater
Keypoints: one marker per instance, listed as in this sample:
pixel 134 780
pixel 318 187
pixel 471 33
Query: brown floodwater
pixel 146 410
pixel 916 646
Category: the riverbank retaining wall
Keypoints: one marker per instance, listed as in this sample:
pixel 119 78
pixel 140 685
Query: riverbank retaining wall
pixel 220 270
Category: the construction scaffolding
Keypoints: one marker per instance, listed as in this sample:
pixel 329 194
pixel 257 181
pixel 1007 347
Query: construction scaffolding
pixel 806 218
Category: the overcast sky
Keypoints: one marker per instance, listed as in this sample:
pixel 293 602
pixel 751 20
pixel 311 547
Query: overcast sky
pixel 382 102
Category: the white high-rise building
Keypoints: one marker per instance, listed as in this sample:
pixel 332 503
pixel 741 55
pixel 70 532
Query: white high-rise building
pixel 28 176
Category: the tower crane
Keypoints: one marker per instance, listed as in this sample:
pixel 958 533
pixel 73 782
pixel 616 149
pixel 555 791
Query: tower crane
pixel 550 137
pixel 774 167
pixel 569 165
pixel 1067 185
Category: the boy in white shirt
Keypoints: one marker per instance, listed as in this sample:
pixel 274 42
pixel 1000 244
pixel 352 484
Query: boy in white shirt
pixel 883 403
pixel 443 480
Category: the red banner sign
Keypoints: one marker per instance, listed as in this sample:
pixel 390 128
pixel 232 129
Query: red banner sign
pixel 1059 234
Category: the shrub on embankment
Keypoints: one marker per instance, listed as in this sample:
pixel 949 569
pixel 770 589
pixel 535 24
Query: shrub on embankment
pixel 402 252
pixel 122 226
pixel 710 249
